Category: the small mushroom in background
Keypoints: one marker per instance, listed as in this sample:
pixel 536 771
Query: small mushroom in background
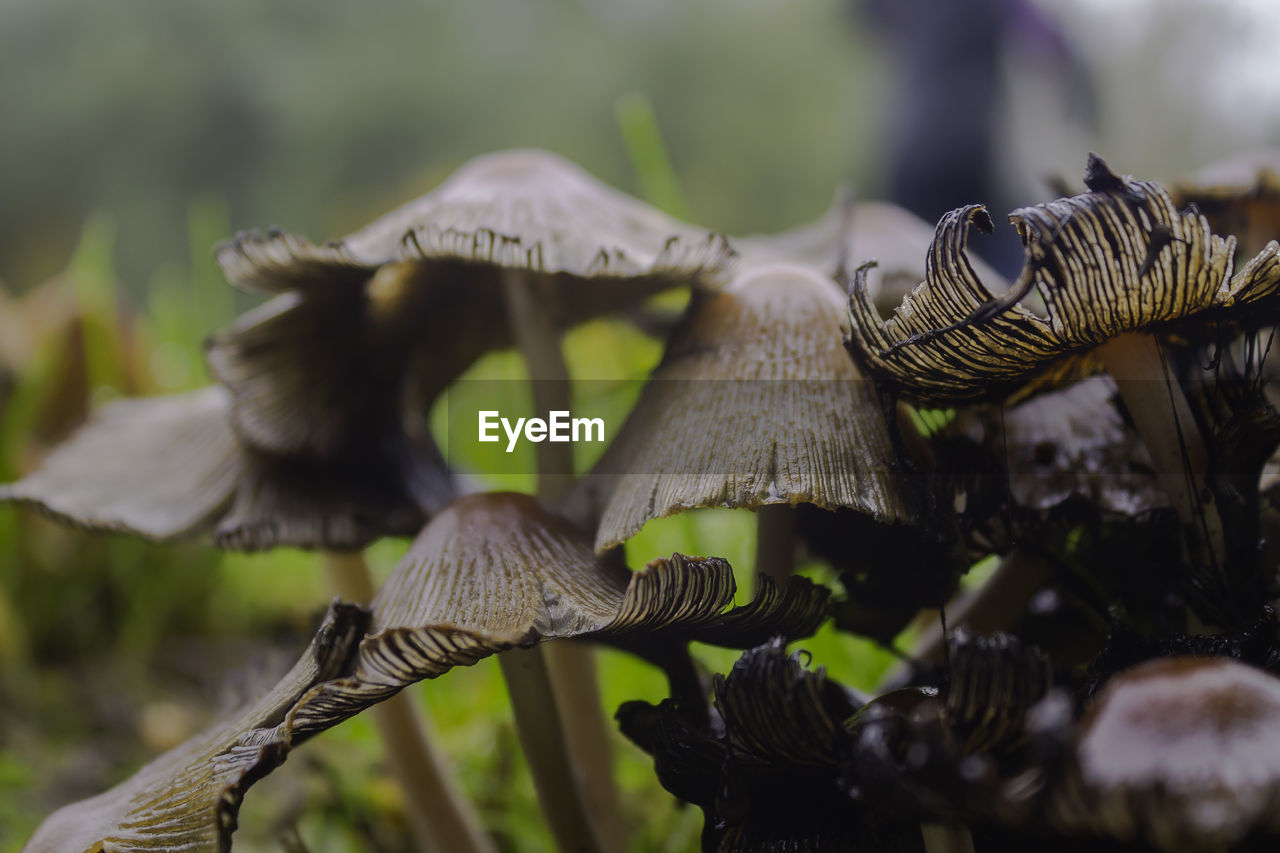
pixel 756 405
pixel 894 237
pixel 1239 196
pixel 1179 753
pixel 490 573
pixel 1119 268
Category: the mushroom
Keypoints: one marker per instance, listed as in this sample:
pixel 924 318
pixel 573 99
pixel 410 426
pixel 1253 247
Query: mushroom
pixel 1179 753
pixel 384 319
pixel 1116 267
pixel 1239 196
pixel 755 404
pixel 893 236
pixel 491 573
pixel 172 467
pixel 404 305
pixel 189 797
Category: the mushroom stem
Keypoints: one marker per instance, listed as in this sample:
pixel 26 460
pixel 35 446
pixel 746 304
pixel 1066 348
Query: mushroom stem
pixel 1164 421
pixel 776 541
pixel 441 817
pixel 542 736
pixel 578 726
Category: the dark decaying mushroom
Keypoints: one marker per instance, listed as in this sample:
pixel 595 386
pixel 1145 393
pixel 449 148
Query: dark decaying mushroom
pixel 1121 271
pixel 798 763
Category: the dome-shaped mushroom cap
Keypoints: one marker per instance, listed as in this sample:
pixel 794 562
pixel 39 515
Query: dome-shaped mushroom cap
pixel 1184 752
pixel 501 565
pixel 525 208
pixel 755 402
pixel 410 301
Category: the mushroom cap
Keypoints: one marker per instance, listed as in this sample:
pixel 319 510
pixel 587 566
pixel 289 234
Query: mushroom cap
pixel 188 798
pixel 1239 196
pixel 1184 752
pixel 502 565
pixel 171 467
pixel 161 468
pixel 755 402
pixel 1098 263
pixel 339 336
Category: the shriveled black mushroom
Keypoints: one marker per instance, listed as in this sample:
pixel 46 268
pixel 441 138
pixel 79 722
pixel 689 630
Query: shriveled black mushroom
pixel 1118 267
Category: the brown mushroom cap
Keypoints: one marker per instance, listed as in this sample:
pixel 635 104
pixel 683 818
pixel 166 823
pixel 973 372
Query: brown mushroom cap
pixel 755 402
pixel 1182 752
pixel 410 301
pixel 171 467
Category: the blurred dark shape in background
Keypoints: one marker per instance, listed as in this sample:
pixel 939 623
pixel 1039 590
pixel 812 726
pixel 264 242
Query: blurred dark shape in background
pixel 943 125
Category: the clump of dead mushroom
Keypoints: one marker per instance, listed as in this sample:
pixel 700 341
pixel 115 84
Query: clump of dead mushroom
pixel 774 397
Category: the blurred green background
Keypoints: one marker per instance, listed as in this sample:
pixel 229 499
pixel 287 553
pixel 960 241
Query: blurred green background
pixel 137 134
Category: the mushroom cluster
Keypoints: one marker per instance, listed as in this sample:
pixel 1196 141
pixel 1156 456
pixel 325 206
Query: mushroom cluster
pixel 1097 429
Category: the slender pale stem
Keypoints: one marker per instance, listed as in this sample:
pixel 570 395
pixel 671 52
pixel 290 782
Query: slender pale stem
pixel 585 762
pixel 776 541
pixel 1164 421
pixel 442 819
pixel 995 606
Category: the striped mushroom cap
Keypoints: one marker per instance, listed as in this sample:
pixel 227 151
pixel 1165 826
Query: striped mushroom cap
pixel 403 306
pixel 1181 753
pixel 172 467
pixel 755 402
pixel 490 572
pixel 1116 259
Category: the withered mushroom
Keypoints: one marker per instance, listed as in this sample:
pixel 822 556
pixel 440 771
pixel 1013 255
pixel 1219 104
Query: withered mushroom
pixel 755 404
pixel 1116 266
